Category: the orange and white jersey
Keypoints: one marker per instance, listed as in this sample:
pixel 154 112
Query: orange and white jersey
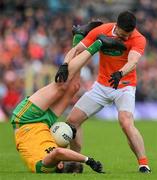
pixel 112 62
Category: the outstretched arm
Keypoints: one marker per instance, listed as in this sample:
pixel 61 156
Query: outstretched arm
pixel 62 154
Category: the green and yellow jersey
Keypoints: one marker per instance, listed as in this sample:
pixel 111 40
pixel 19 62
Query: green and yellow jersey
pixel 26 112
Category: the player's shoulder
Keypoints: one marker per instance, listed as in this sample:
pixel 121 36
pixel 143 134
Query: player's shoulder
pixel 137 34
pixel 105 27
pixel 137 39
pixel 108 24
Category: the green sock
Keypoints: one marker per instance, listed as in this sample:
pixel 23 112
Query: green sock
pixel 95 47
pixel 76 39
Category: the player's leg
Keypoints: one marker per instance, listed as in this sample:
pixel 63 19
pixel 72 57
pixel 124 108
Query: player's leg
pixel 74 67
pixel 73 86
pixel 77 63
pixel 81 59
pixel 76 118
pixel 125 103
pixel 134 138
pixel 90 103
pixel 48 95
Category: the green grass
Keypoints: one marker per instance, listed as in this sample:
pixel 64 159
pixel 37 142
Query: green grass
pixel 102 140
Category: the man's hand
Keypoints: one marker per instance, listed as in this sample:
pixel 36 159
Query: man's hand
pixel 115 78
pixel 95 165
pixel 111 43
pixel 84 29
pixel 62 73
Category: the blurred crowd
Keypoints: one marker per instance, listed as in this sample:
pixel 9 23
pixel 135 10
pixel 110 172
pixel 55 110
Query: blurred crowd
pixel 35 35
pixel 146 13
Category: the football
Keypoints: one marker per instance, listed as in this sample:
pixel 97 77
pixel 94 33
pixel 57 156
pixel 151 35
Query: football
pixel 62 133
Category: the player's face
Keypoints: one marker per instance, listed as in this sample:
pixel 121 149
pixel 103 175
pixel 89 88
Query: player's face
pixel 123 35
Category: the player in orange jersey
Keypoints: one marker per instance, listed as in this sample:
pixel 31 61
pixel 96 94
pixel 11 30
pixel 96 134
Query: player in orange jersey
pixel 116 82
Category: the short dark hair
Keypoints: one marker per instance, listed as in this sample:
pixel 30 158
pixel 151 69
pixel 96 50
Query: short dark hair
pixel 126 21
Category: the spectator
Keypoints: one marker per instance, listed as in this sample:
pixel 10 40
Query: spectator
pixel 42 31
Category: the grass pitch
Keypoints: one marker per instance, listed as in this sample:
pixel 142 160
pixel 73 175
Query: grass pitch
pixel 102 140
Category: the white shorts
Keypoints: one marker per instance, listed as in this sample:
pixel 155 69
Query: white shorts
pixel 101 96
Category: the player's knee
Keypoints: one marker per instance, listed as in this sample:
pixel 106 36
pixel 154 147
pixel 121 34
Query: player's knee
pixel 61 88
pixel 126 120
pixel 72 120
pixel 77 86
pixel 76 117
pixel 74 88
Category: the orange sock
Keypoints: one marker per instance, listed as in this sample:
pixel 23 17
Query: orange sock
pixel 143 161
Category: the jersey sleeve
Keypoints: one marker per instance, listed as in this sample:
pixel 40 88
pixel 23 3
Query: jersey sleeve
pixel 139 44
pixel 93 34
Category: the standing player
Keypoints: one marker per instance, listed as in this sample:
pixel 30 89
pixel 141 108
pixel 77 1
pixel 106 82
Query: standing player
pixel 33 117
pixel 116 82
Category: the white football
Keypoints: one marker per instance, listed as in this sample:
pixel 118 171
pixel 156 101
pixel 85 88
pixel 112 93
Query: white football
pixel 62 133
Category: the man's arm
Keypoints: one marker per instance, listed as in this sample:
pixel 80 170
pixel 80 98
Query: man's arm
pixel 63 154
pixel 133 59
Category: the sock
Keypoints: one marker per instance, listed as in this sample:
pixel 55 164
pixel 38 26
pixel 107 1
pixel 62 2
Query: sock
pixel 86 159
pixel 76 39
pixel 95 47
pixel 143 161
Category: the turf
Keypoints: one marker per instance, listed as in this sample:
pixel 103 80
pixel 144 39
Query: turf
pixel 102 140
